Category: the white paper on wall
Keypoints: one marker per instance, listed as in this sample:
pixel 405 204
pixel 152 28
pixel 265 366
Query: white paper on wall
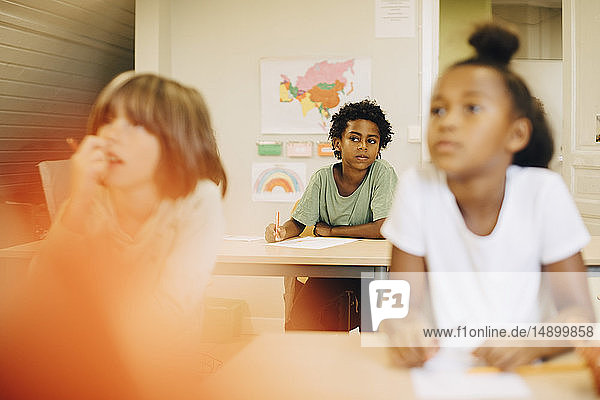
pixel 395 18
pixel 278 181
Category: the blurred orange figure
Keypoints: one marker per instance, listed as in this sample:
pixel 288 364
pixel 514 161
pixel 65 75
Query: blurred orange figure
pixel 112 307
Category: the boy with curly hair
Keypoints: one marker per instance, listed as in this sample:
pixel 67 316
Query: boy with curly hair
pixel 350 198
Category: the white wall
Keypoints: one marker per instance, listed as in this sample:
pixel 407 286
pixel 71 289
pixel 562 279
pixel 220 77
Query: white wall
pixel 539 27
pixel 216 46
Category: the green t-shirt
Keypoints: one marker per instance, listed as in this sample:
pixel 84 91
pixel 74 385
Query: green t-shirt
pixel 371 201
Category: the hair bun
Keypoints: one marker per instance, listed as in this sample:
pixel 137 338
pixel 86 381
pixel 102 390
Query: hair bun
pixel 494 43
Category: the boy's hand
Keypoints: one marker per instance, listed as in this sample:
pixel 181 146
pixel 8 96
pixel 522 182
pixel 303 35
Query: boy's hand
pixel 274 233
pixel 322 229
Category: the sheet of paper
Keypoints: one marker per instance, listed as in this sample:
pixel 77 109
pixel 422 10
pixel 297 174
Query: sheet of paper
pixel 311 242
pixel 278 181
pixel 244 238
pixel 448 385
pixel 447 377
pixel 395 18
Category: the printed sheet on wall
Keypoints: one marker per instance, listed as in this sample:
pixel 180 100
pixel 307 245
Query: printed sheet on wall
pixel 278 181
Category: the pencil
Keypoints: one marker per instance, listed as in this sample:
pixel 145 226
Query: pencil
pixel 277 226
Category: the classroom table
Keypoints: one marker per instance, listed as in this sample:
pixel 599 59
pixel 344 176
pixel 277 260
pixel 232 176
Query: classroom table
pixel 256 258
pixel 368 258
pixel 349 260
pixel 335 366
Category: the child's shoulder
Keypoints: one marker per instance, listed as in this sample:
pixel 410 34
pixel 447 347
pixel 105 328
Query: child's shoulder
pixel 205 196
pixel 324 171
pixel 381 169
pixel 207 188
pixel 426 175
pixel 382 165
pixel 533 178
pixel 322 176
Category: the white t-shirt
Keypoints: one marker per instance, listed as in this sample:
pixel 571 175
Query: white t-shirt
pixel 170 258
pixel 538 224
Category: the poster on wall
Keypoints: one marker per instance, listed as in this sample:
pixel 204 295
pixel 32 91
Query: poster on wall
pixel 395 18
pixel 301 95
pixel 278 181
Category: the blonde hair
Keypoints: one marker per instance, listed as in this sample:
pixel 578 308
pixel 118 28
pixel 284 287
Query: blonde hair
pixel 177 115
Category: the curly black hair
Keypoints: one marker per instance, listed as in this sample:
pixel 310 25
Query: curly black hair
pixel 366 109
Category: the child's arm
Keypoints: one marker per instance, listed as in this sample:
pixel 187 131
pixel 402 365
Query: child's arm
pixel 367 231
pixel 569 289
pixel 88 167
pixel 410 348
pixel 65 244
pixel 289 229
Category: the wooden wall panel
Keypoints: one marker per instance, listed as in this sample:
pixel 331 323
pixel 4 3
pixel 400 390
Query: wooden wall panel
pixel 55 57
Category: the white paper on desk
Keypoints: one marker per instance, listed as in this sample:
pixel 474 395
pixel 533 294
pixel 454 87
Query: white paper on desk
pixel 315 243
pixel 439 385
pixel 243 238
pixel 446 377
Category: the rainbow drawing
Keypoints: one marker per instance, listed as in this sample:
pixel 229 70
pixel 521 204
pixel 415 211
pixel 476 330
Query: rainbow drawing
pixel 278 182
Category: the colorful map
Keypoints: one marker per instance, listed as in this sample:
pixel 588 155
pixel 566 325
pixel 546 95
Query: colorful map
pixel 319 88
pixel 310 91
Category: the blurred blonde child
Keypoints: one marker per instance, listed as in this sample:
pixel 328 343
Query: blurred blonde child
pixel 117 288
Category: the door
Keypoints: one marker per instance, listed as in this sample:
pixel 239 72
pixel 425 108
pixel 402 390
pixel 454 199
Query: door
pixel 581 104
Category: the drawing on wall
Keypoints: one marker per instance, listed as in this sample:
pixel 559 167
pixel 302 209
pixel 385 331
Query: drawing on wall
pixel 278 182
pixel 300 95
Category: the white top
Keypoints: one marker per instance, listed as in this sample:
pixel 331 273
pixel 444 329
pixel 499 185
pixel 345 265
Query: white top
pixel 170 258
pixel 538 224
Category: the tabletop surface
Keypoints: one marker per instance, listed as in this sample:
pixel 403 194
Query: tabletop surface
pixel 368 252
pixel 334 366
pixel 365 252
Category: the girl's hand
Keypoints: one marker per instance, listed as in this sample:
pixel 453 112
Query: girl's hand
pixel 409 348
pixel 274 233
pixel 591 355
pixel 508 358
pixel 88 167
pixel 322 229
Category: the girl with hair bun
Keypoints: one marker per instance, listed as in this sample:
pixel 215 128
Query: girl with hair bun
pixel 488 204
